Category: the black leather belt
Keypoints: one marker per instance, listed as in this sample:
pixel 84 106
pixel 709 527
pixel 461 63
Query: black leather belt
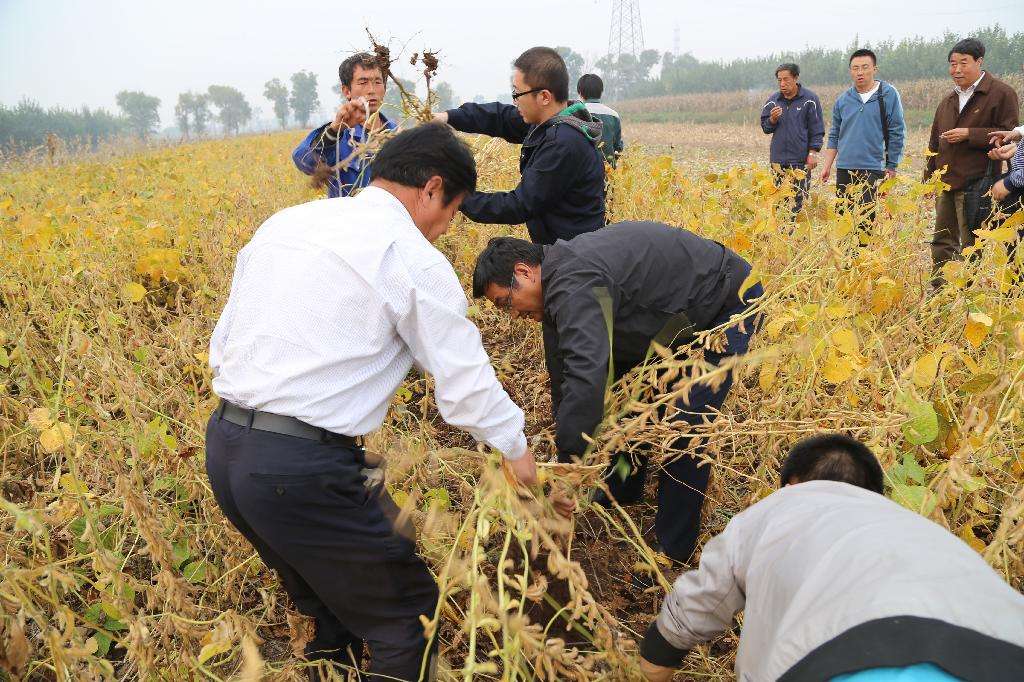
pixel 286 426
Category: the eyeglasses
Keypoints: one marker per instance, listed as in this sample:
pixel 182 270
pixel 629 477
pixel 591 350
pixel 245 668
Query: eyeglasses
pixel 517 95
pixel 504 303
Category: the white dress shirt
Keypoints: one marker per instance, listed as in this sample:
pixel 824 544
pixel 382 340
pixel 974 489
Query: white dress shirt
pixel 965 94
pixel 331 304
pixel 865 96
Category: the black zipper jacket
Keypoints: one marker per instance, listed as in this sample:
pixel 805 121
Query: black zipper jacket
pixel 562 190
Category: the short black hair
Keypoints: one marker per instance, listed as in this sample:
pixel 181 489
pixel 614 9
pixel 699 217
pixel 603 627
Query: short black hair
pixel 863 52
pixel 347 69
pixel 968 46
pixel 543 67
pixel 833 457
pixel 794 69
pixel 414 156
pixel 496 263
pixel 590 86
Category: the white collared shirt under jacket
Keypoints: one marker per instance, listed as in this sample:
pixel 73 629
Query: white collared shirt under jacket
pixel 332 302
pixel 964 95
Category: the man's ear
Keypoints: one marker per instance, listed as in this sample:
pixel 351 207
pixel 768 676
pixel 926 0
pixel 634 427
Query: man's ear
pixel 434 186
pixel 346 92
pixel 522 270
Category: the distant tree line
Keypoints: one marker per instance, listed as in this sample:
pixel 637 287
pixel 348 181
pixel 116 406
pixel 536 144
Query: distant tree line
pixel 26 125
pixel 904 60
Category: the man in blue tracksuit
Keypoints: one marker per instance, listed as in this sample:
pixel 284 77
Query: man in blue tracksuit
pixel 333 147
pixel 866 138
pixel 792 116
pixel 562 193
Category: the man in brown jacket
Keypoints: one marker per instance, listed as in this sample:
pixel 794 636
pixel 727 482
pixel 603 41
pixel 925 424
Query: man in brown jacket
pixel 979 105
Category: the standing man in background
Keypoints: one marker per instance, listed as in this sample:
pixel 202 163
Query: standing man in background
pixel 332 148
pixel 561 193
pixel 979 105
pixel 866 138
pixel 590 87
pixel 792 116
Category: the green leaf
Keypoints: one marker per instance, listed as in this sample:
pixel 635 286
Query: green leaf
pixel 917 498
pixel 5 359
pixel 914 470
pixel 923 423
pixel 114 625
pixel 104 642
pixel 110 610
pixel 94 613
pixel 195 572
pixel 181 552
pixel 623 467
pixel 438 498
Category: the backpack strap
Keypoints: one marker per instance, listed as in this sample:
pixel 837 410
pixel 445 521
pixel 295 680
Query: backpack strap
pixel 885 127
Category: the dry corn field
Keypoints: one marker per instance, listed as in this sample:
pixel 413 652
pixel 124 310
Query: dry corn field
pixel 118 564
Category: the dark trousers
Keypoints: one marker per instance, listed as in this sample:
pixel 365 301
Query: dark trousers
pixel 333 542
pixel 683 481
pixel 803 185
pixel 858 190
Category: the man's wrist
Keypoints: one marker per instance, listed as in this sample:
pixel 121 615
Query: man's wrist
pixel 658 650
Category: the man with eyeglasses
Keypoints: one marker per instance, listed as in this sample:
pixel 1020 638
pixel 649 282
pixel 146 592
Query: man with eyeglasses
pixel 332 150
pixel 659 284
pixel 561 194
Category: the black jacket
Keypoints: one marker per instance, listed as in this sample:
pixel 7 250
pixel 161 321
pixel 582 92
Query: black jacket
pixel 661 281
pixel 561 193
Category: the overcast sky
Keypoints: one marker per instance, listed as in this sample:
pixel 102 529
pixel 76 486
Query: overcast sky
pixel 74 53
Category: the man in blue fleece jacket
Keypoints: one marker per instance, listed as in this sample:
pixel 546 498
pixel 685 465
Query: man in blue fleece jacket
pixel 792 116
pixel 866 139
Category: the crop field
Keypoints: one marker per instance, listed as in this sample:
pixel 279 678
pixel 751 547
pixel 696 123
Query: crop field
pixel 117 563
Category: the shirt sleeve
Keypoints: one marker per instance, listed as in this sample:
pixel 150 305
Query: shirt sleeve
pixel 702 603
pixel 312 150
pixel 446 344
pixel 897 131
pixel 219 338
pixel 766 120
pixel 817 125
pixel 837 121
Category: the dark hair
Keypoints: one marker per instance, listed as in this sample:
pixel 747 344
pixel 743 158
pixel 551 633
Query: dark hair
pixel 863 52
pixel 590 86
pixel 968 46
pixel 496 263
pixel 544 68
pixel 414 156
pixel 794 69
pixel 347 69
pixel 833 457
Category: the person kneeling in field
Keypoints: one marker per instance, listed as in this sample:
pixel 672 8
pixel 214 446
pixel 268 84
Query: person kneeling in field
pixel 561 193
pixel 839 583
pixel 331 303
pixel 662 283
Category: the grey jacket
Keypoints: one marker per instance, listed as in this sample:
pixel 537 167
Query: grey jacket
pixel 836 579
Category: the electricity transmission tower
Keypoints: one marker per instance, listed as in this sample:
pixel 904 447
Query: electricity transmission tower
pixel 626 35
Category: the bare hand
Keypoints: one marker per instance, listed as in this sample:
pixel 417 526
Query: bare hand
pixel 1002 137
pixel 349 114
pixel 524 469
pixel 812 161
pixel 565 505
pixel 890 173
pixel 441 117
pixel 999 191
pixel 775 114
pixel 1004 153
pixel 655 673
pixel 825 172
pixel 954 136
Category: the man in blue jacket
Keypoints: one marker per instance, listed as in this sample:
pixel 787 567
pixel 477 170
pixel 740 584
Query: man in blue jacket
pixel 866 138
pixel 792 116
pixel 332 149
pixel 562 190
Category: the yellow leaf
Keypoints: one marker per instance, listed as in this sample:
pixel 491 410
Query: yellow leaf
pixel 968 536
pixel 73 485
pixel 766 377
pixel 39 419
pixel 212 649
pixel 776 325
pixel 55 437
pixel 845 341
pixel 133 292
pixel 838 368
pixel 978 326
pixel 925 370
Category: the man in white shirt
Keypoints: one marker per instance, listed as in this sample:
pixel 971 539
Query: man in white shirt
pixel 331 304
pixel 839 583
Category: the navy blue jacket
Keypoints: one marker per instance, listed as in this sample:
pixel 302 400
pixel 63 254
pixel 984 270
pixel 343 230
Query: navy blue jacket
pixel 561 193
pixel 316 148
pixel 800 129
